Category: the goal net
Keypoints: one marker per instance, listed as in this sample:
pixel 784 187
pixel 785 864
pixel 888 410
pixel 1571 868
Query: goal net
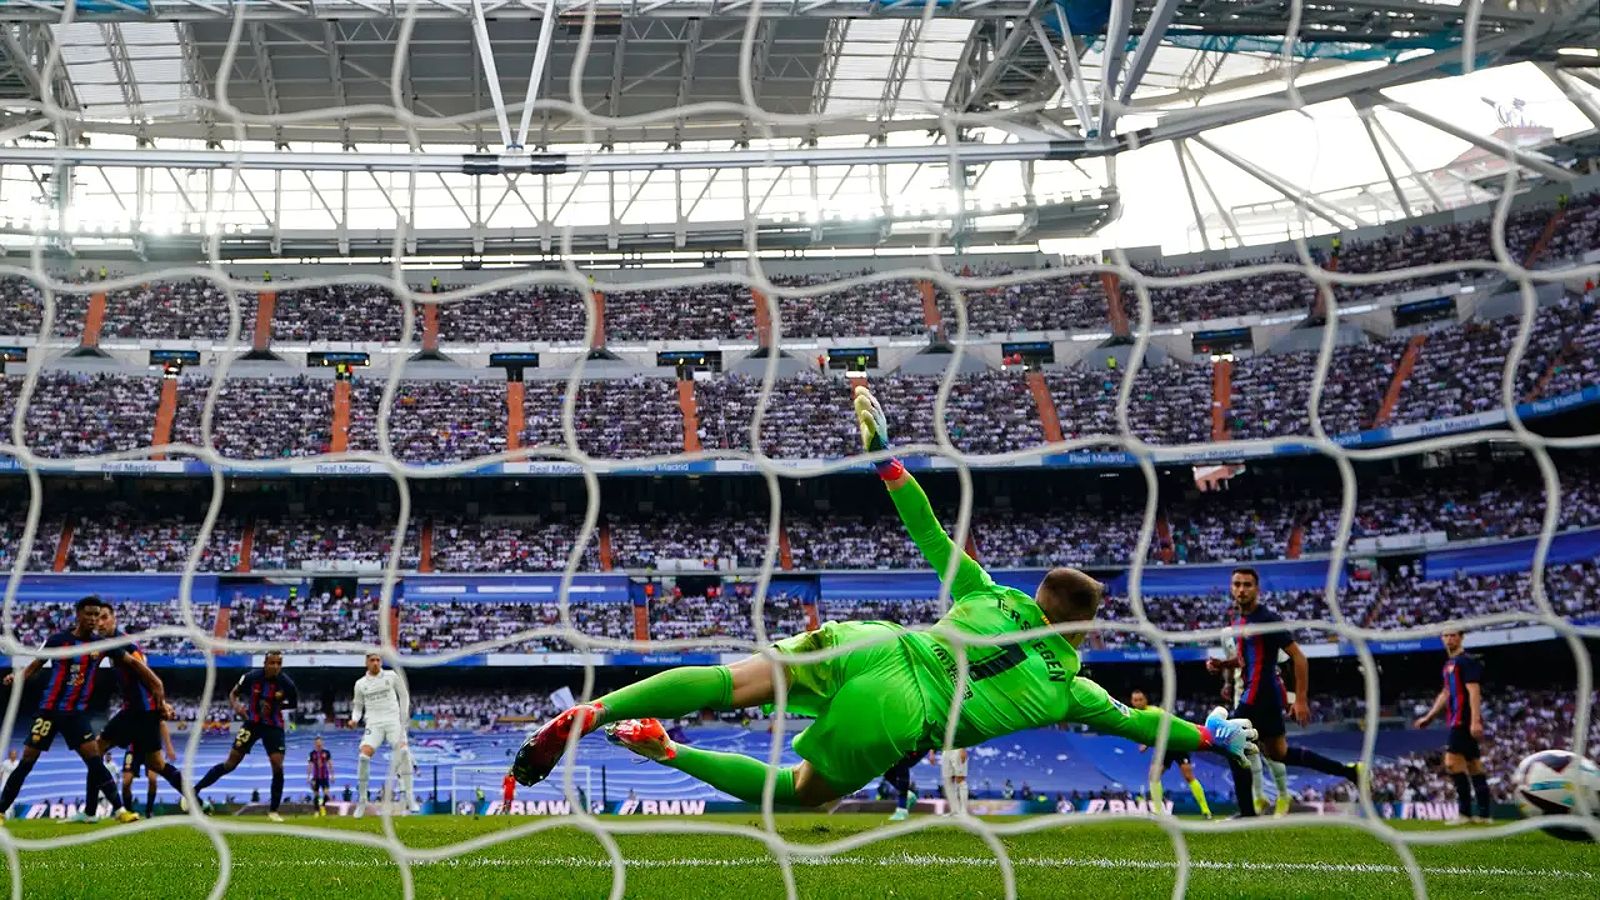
pixel 179 142
pixel 480 790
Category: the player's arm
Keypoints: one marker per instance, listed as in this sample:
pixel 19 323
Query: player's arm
pixel 1093 707
pixel 35 664
pixel 166 741
pixel 1216 664
pixel 912 504
pixel 403 697
pixel 357 707
pixel 28 672
pixel 311 767
pixel 1433 711
pixel 146 676
pixel 291 694
pixel 1302 681
pixel 233 695
pixel 1471 676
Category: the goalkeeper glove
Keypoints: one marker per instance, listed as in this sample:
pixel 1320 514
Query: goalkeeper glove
pixel 875 432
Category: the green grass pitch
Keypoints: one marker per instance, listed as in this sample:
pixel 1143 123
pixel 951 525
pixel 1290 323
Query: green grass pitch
pixel 166 858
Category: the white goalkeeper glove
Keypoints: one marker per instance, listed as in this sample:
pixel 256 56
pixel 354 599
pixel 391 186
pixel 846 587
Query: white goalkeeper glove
pixel 874 424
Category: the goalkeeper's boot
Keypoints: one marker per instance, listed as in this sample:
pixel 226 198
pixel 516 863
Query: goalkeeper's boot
pixel 1235 737
pixel 645 737
pixel 273 816
pixel 1261 806
pixel 1281 808
pixel 126 816
pixel 83 819
pixel 542 750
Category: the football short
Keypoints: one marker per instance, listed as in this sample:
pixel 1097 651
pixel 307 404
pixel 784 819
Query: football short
pixel 321 784
pixel 380 733
pixel 1265 715
pixel 131 764
pixel 868 711
pixel 1463 744
pixel 73 727
pixel 1175 759
pixel 139 730
pixel 270 736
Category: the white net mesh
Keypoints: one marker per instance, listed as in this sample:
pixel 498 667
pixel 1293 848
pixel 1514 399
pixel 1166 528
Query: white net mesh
pixel 601 119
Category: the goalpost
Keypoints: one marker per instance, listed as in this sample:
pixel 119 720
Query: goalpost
pixel 546 798
pixel 887 181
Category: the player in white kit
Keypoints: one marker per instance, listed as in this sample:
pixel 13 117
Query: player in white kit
pixel 954 764
pixel 381 699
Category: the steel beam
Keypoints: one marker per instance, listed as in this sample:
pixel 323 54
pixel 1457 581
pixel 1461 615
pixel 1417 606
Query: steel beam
pixel 1525 158
pixel 1116 47
pixel 1216 202
pixel 1155 28
pixel 480 34
pixel 1575 95
pixel 1003 55
pixel 1383 160
pixel 542 163
pixel 1416 175
pixel 1324 210
pixel 330 46
pixel 547 27
pixel 1194 204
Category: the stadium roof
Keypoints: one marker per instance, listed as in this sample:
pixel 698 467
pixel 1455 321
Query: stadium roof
pixel 956 89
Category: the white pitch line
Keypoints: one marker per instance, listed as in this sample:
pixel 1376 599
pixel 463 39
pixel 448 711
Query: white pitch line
pixel 883 862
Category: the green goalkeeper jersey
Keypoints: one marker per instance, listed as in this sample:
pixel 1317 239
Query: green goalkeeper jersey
pixel 1010 687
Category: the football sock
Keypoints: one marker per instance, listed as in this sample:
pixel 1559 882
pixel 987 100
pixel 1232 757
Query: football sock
pixel 127 796
pixel 734 773
pixel 1156 791
pixel 1242 793
pixel 149 801
pixel 211 777
pixel 1480 787
pixel 1310 759
pixel 1280 776
pixel 91 803
pixel 1258 785
pixel 99 774
pixel 8 795
pixel 1200 797
pixel 277 789
pixel 670 695
pixel 403 761
pixel 1463 793
pixel 363 770
pixel 174 777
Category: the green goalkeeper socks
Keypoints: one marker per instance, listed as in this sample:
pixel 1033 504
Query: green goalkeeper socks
pixel 671 694
pixel 735 774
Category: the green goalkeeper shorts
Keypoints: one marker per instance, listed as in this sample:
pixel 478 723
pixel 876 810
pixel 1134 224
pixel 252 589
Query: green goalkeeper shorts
pixel 869 712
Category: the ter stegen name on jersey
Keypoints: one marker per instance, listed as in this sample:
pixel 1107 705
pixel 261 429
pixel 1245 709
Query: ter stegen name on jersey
pixel 1007 657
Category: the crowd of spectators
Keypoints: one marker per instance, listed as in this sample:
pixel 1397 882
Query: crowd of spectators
pixel 125 541
pixel 618 418
pixel 725 612
pixel 1170 403
pixel 434 626
pixel 257 418
pixel 681 541
pixel 329 543
pixel 807 416
pixel 79 414
pixel 278 618
pixel 527 543
pixel 431 421
pixel 368 312
pixel 34 621
pixel 1272 392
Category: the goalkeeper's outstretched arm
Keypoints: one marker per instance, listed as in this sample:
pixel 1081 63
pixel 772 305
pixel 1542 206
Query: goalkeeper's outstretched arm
pixel 911 502
pixel 1094 708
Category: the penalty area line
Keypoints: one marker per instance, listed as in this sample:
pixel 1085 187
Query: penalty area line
pixel 869 862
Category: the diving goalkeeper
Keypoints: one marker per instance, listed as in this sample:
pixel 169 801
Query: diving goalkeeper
pixel 883 691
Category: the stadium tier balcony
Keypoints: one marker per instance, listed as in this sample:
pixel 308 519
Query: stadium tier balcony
pixel 615 418
pixel 370 313
pixel 258 417
pixel 431 421
pixel 524 543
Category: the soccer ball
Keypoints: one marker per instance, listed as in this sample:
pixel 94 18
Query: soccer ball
pixel 1547 784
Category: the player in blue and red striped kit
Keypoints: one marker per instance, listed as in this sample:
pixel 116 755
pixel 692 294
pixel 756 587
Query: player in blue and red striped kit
pixel 319 773
pixel 1461 700
pixel 260 698
pixel 64 708
pixel 139 724
pixel 1259 693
